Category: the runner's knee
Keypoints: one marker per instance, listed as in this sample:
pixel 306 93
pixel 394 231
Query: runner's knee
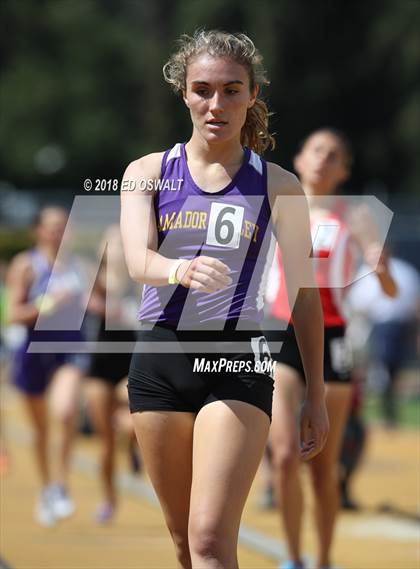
pixel 286 459
pixel 210 541
pixel 65 414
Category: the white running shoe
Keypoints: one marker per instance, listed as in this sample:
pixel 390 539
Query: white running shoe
pixel 63 505
pixel 44 509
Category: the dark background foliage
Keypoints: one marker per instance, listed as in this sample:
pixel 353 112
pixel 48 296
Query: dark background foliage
pixel 82 87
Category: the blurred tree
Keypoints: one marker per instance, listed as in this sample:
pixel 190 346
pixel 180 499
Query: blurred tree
pixel 82 76
pixel 82 90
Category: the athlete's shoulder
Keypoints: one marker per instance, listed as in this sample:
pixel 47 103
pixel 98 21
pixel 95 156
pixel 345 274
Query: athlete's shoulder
pixel 23 259
pixel 21 266
pixel 281 182
pixel 147 166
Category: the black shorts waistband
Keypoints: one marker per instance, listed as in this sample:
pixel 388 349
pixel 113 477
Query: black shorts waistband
pixel 213 333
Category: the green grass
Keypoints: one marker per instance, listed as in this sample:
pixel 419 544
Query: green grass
pixel 408 411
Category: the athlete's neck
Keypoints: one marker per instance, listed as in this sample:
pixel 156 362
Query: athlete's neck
pixel 315 191
pixel 227 153
pixel 50 253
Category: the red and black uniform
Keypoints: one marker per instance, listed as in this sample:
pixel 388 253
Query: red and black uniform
pixel 333 245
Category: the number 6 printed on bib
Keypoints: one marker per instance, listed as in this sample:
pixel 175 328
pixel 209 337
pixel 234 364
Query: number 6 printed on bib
pixel 225 225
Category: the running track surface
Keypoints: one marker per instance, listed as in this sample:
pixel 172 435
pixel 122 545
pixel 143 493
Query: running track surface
pixel 385 535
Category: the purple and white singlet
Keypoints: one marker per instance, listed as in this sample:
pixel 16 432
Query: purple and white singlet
pixel 232 225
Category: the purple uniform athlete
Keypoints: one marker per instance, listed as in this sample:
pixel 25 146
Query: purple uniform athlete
pixel 32 372
pixel 200 245
pixel 36 294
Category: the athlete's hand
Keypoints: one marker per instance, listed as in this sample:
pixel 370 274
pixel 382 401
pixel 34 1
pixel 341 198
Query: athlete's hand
pixel 376 257
pixel 314 427
pixel 50 303
pixel 205 274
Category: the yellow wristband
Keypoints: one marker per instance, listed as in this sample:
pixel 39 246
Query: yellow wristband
pixel 172 278
pixel 45 303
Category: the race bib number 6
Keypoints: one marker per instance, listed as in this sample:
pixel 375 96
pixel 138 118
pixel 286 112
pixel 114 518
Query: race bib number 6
pixel 225 225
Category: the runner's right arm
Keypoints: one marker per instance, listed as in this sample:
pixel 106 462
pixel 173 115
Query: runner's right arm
pixel 139 234
pixel 18 281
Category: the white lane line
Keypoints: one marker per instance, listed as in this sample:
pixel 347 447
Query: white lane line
pixel 406 531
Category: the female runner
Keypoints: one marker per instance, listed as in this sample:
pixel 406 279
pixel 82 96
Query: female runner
pixel 323 164
pixel 107 372
pixel 200 244
pixel 48 376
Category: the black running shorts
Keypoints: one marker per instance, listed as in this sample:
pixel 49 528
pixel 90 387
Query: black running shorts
pixel 337 352
pixel 186 380
pixel 111 367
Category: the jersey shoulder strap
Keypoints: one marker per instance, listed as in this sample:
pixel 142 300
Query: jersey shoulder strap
pixel 170 154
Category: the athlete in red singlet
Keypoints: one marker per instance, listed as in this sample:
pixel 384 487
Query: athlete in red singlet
pixel 322 164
